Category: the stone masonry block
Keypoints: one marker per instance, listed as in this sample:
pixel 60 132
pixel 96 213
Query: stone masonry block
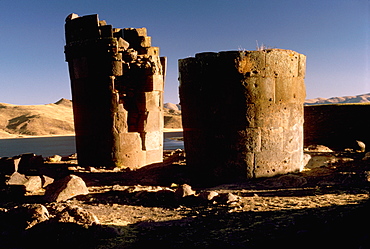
pixel 106 31
pixel 135 32
pixel 250 115
pixel 259 89
pixel 290 90
pixel 296 115
pixel 252 63
pixel 281 63
pixel 152 140
pixel 302 66
pixel 271 163
pixel 293 138
pixel 154 83
pixel 79 68
pixel 300 94
pixel 153 101
pixel 130 146
pixel 154 156
pixel 249 140
pixel 136 37
pixel 149 51
pixel 117 69
pixel 272 139
pixel 130 142
pixel 145 41
pixel 284 89
pixel 154 122
pixel 267 115
pixel 82 28
pixel 123 44
pixel 120 120
pixel 249 164
pixel 132 160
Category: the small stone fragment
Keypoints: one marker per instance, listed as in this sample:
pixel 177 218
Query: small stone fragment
pixel 208 195
pixel 184 190
pixel 54 158
pixel 226 198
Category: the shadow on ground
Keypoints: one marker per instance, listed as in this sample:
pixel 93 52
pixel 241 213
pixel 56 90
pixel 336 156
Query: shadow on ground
pixel 329 227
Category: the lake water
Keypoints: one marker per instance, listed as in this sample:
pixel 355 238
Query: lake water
pixel 62 145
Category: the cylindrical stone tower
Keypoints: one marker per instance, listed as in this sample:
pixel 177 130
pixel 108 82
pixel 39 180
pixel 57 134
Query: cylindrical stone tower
pixel 242 113
pixel 117 81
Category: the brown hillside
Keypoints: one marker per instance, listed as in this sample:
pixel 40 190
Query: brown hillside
pixel 52 119
pixel 36 120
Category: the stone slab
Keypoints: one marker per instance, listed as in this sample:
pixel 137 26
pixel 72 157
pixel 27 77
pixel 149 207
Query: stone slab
pixel 259 89
pixel 271 163
pixel 154 156
pixel 281 63
pixel 152 140
pixel 272 139
pixel 154 83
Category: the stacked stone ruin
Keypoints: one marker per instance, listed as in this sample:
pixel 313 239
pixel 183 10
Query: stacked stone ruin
pixel 117 81
pixel 242 113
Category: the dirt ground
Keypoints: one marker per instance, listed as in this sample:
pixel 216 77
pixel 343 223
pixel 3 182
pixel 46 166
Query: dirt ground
pixel 324 206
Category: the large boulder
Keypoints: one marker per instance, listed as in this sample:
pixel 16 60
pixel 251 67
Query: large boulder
pixel 65 188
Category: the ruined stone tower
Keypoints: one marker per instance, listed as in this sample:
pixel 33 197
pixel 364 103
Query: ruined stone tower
pixel 242 113
pixel 117 81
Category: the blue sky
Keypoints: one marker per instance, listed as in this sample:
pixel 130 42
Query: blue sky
pixel 333 34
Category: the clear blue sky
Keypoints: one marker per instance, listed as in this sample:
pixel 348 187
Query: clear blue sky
pixel 334 34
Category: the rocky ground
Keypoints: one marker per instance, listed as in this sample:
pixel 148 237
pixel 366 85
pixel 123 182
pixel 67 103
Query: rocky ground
pixel 324 206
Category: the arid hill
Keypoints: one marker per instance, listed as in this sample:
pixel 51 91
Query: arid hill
pixel 53 119
pixel 36 120
pixel 363 98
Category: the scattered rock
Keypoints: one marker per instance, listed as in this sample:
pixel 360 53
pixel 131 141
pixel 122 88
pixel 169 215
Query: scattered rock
pixel 46 180
pixel 318 148
pixel 361 145
pixel 208 195
pixel 367 156
pixel 65 188
pixel 226 198
pixel 17 179
pixel 306 159
pixel 184 190
pixel 75 214
pixel 26 216
pixel 33 184
pixel 320 160
pixel 54 158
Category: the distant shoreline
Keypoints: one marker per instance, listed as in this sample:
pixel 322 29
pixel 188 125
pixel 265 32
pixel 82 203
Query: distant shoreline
pixel 165 130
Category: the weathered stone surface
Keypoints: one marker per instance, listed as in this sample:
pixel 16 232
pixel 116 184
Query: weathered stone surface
pixel 65 188
pixel 117 82
pixel 249 114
